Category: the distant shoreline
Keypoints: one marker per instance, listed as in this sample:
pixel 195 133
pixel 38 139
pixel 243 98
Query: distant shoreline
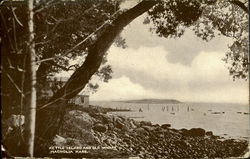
pixel 181 102
pixel 152 101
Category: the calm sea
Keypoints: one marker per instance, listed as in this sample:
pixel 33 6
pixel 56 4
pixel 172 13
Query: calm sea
pixel 228 120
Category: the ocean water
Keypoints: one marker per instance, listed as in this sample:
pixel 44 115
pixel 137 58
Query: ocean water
pixel 228 120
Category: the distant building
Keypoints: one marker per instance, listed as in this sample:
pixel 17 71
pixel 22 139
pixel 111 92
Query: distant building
pixel 55 84
pixel 82 100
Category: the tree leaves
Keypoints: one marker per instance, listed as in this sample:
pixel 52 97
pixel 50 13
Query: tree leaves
pixel 231 21
pixel 170 17
pixel 207 19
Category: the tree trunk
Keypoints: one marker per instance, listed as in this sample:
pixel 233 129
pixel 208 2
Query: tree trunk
pixel 31 96
pixel 82 75
pixel 240 4
pixel 96 52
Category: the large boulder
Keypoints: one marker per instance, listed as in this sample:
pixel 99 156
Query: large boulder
pixel 194 132
pixel 111 126
pixel 74 142
pixel 89 138
pixel 132 124
pixel 165 126
pixel 15 121
pixel 119 124
pixel 141 132
pixel 146 123
pixel 76 124
pixel 136 123
pixel 110 141
pixel 59 140
pixel 100 128
pixel 107 118
pixel 123 126
pixel 209 133
pixel 148 128
pixel 80 115
pixel 82 119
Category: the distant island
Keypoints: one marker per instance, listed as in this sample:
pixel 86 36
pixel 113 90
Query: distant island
pixel 153 101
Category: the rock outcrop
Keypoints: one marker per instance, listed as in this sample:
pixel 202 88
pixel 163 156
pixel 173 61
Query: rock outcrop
pixel 143 139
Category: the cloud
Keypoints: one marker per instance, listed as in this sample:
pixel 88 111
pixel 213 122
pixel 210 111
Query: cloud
pixel 181 50
pixel 146 72
pixel 122 88
pixel 152 61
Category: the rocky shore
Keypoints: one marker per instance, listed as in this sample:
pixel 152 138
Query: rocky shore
pixel 92 132
pixel 142 139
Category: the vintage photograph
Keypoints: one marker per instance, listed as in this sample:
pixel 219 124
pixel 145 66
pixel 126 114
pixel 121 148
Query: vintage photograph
pixel 125 79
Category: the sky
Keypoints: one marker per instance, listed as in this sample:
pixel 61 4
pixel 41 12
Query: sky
pixel 187 69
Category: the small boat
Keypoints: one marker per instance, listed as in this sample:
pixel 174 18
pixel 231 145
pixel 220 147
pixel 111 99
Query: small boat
pixel 172 113
pixel 215 112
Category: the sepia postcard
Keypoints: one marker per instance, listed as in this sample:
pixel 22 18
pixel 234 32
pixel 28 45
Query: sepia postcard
pixel 128 79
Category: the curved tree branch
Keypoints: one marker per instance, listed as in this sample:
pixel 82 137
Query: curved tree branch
pixel 53 112
pixel 96 52
pixel 240 4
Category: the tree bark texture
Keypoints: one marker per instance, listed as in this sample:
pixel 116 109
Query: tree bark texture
pixel 31 95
